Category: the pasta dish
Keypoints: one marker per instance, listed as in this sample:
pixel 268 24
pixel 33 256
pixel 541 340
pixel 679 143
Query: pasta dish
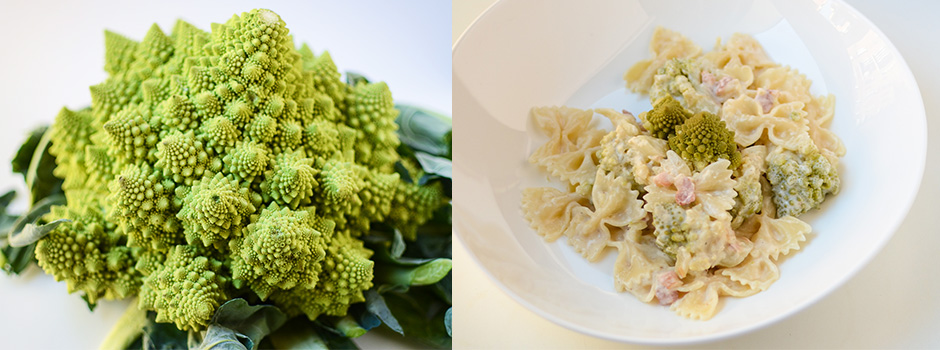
pixel 701 195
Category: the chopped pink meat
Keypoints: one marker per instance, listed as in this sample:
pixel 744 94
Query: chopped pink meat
pixel 719 87
pixel 685 191
pixel 723 86
pixel 766 99
pixel 666 283
pixel 708 79
pixel 663 179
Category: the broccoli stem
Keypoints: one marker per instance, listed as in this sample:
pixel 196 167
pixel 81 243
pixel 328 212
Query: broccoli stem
pixel 127 329
pixel 349 327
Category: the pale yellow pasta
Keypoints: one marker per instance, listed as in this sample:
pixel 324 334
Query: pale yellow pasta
pixel 715 244
pixel 779 236
pixel 644 153
pixel 757 273
pixel 788 83
pixel 703 293
pixel 688 235
pixel 664 46
pixel 586 233
pixel 548 210
pixel 572 141
pixel 744 115
pixel 634 268
pixel 740 50
pixel 615 202
pixel 713 186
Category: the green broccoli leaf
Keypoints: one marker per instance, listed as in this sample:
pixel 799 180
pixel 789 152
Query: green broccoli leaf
pixel 6 220
pixel 221 338
pixel 353 79
pixel 398 245
pixel 448 316
pixel 31 233
pixel 434 164
pixel 424 130
pixel 39 178
pixel 299 333
pixel 246 322
pixel 160 336
pixel 364 318
pixel 89 303
pixel 15 259
pixel 376 305
pixel 38 210
pixel 421 315
pixel 403 172
pixel 400 278
pixel 25 154
pixel 443 288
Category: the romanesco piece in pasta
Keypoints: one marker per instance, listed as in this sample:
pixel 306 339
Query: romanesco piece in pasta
pixel 703 139
pixel 800 181
pixel 670 227
pixel 680 78
pixel 666 115
pixel 748 185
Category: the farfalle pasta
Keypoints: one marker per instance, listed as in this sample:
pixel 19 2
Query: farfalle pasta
pixel 701 195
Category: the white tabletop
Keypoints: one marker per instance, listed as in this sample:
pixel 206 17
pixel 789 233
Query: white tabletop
pixel 894 302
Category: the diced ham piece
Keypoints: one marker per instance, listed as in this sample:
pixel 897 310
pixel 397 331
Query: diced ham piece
pixel 721 88
pixel 667 282
pixel 685 191
pixel 708 79
pixel 766 99
pixel 663 179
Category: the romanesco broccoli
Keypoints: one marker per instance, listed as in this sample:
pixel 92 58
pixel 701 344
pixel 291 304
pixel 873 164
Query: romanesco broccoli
pixel 196 173
pixel 681 78
pixel 186 289
pixel 666 115
pixel 748 185
pixel 800 181
pixel 703 139
pixel 670 227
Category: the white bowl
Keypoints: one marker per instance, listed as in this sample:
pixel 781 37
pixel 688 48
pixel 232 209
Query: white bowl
pixel 527 53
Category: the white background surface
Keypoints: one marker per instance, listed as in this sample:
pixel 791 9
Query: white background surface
pixel 892 303
pixel 54 50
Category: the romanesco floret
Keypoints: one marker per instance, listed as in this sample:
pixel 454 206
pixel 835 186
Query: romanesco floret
pixel 214 209
pixel 88 255
pixel 680 78
pixel 347 273
pixel 666 115
pixel 202 148
pixel 290 181
pixel 186 289
pixel 281 249
pixel 670 227
pixel 748 186
pixel 800 181
pixel 703 139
